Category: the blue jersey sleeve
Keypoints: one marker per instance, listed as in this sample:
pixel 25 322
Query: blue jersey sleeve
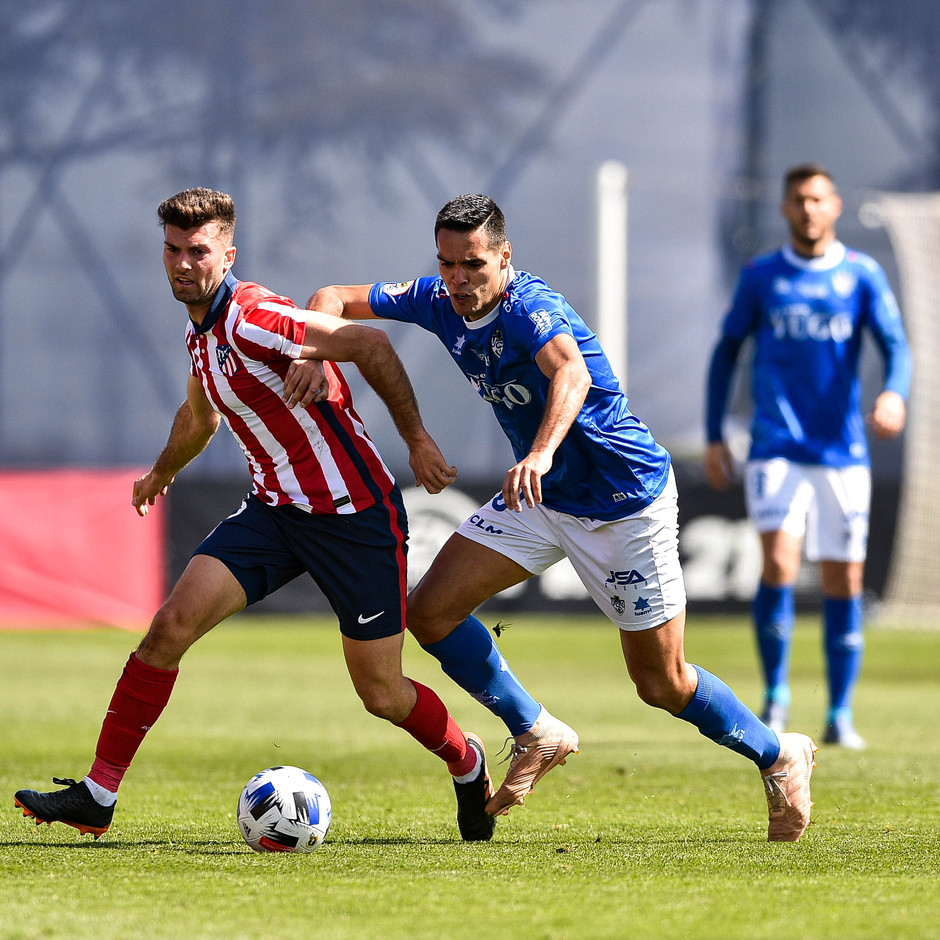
pixel 720 372
pixel 532 325
pixel 740 321
pixel 408 301
pixel 887 330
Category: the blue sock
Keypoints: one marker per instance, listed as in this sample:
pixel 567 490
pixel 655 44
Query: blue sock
pixel 471 658
pixel 720 715
pixel 845 646
pixel 773 621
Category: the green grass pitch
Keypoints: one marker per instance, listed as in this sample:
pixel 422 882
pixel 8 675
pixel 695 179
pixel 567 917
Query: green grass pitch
pixel 650 832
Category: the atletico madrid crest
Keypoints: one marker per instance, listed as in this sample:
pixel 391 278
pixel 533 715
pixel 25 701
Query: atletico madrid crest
pixel 228 364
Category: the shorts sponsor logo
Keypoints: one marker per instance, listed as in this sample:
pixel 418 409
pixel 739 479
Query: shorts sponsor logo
pixel 618 604
pixel 369 619
pixel 498 503
pixel 641 606
pixel 477 520
pixel 620 578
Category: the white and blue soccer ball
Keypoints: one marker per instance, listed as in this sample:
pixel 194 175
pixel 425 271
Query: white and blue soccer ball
pixel 284 809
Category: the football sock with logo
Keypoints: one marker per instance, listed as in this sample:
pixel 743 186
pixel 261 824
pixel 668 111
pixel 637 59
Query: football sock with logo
pixel 139 698
pixel 718 714
pixel 469 655
pixel 432 726
pixel 773 622
pixel 845 647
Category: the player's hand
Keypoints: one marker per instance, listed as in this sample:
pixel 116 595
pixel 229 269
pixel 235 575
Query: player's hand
pixel 430 468
pixel 305 383
pixel 146 490
pixel 888 416
pixel 719 467
pixel 524 481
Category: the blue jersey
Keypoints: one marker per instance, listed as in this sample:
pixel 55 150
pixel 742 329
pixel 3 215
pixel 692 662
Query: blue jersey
pixel 608 466
pixel 807 317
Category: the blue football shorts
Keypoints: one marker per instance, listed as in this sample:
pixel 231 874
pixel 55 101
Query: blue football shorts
pixel 356 559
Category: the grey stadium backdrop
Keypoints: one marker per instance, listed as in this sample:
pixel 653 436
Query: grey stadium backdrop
pixel 340 129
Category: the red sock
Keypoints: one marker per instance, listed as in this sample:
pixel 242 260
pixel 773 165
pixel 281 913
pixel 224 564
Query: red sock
pixel 138 701
pixel 431 724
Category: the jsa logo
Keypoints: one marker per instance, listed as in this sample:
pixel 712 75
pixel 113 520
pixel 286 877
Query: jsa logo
pixel 625 577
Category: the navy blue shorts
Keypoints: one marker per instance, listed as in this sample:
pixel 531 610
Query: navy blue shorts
pixel 357 559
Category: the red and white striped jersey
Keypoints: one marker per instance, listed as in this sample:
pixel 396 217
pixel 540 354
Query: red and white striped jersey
pixel 319 457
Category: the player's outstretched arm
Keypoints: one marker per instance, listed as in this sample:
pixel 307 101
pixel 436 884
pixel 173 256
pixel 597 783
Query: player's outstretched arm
pixel 371 351
pixel 561 360
pixel 349 301
pixel 305 381
pixel 193 427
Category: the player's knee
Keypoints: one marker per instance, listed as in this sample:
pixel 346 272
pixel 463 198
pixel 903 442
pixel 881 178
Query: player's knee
pixel 841 580
pixel 381 702
pixel 779 572
pixel 662 690
pixel 428 619
pixel 171 633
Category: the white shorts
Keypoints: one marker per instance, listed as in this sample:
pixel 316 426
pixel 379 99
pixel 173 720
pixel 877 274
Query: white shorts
pixel 629 566
pixel 827 505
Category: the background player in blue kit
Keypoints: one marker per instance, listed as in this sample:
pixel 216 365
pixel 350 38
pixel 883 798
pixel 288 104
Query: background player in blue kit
pixel 589 483
pixel 806 306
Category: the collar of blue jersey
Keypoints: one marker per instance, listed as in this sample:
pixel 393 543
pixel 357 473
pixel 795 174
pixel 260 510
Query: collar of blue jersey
pixel 834 255
pixel 494 313
pixel 222 296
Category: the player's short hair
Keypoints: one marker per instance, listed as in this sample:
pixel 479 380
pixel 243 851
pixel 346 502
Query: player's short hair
pixel 471 211
pixel 194 207
pixel 805 171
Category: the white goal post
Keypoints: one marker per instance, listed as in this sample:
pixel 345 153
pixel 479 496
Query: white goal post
pixel 611 189
pixel 912 221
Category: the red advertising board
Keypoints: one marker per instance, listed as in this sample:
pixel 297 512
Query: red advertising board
pixel 74 552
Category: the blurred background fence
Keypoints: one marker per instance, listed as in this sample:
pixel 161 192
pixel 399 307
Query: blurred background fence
pixel 340 130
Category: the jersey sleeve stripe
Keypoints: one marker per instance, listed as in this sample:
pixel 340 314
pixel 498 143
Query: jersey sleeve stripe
pixel 263 331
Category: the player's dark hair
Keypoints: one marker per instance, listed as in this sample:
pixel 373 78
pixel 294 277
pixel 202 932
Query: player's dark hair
pixel 805 171
pixel 471 211
pixel 194 207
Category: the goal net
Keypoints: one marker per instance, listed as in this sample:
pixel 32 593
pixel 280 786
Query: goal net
pixel 912 591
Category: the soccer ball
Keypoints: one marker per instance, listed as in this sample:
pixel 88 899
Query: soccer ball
pixel 284 809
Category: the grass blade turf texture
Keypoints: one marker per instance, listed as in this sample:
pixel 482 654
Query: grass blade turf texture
pixel 651 831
